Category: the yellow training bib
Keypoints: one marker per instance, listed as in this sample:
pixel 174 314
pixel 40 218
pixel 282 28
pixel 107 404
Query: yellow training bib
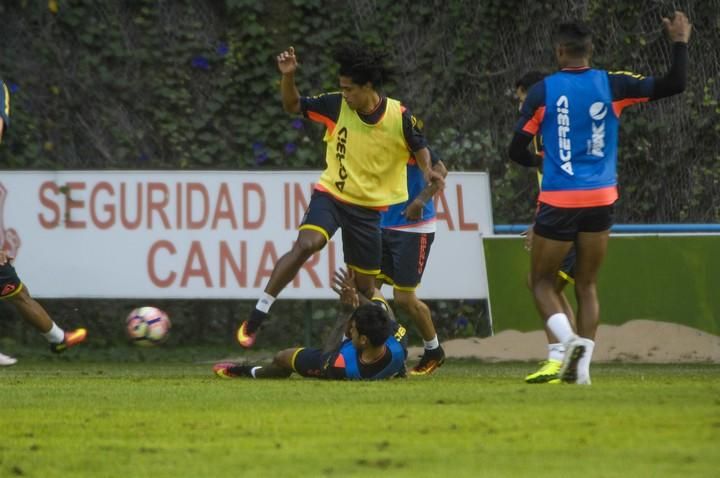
pixel 366 163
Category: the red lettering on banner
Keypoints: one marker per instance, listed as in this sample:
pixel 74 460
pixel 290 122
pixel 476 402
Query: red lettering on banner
pixel 71 204
pixel 247 222
pixel 309 267
pixel 168 281
pixel 196 252
pixel 191 188
pixel 108 208
pixel 123 205
pixel 178 206
pixel 224 208
pixel 239 268
pixel 464 226
pixel 172 265
pixel 444 214
pixel 159 206
pixel 54 221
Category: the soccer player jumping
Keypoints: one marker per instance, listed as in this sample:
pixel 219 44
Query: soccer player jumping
pixel 577 111
pixel 369 138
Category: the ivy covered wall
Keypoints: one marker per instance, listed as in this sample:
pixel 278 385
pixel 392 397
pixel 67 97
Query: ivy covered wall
pixel 193 84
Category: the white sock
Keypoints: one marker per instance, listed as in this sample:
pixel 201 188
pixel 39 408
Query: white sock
pixel 265 302
pixel 583 370
pixel 55 335
pixel 253 370
pixel 556 352
pixel 559 325
pixel 432 344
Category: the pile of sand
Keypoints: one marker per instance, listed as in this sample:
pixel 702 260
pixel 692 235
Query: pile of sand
pixel 644 341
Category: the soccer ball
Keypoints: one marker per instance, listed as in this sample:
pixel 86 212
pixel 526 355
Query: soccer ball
pixel 148 326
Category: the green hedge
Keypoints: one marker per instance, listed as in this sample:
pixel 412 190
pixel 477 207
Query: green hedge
pixel 193 84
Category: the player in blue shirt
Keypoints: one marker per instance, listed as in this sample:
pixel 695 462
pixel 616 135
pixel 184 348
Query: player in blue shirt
pixel 548 371
pixel 577 111
pixel 408 231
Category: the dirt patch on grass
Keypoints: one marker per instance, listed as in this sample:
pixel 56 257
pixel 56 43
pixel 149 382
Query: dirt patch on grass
pixel 640 341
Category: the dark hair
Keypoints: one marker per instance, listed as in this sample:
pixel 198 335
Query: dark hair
pixel 529 79
pixel 362 64
pixel 576 37
pixel 373 322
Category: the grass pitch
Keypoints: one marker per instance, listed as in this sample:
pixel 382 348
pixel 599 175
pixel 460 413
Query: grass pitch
pixel 92 414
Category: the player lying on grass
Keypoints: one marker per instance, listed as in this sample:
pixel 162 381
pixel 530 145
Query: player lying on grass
pixel 373 346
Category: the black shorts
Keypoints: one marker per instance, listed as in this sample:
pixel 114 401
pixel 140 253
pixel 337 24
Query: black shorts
pixel 567 269
pixel 10 283
pixel 564 224
pixel 362 244
pixel 310 362
pixel 404 257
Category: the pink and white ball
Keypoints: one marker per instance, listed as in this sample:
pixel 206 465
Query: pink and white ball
pixel 148 326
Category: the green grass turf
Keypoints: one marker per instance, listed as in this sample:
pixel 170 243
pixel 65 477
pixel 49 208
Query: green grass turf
pixel 96 413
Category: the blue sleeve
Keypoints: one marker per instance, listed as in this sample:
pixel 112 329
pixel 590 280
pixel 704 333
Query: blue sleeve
pixel 532 111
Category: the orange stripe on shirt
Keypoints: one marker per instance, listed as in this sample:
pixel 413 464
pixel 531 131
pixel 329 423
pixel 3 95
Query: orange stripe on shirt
pixel 318 118
pixel 620 105
pixel 533 124
pixel 339 361
pixel 580 197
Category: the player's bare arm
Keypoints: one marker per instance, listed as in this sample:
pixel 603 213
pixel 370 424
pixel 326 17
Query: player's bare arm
pixel 422 156
pixel 414 209
pixel 344 286
pixel 287 64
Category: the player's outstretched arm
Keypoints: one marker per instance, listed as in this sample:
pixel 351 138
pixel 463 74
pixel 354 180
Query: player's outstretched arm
pixel 344 286
pixel 678 28
pixel 287 64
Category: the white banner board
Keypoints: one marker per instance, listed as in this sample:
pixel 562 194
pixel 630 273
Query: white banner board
pixel 204 234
